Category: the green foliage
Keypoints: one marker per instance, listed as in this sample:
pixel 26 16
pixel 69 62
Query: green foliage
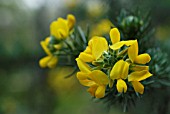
pixel 136 25
pixel 160 68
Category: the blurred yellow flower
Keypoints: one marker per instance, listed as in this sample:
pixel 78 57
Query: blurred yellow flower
pixel 120 73
pixel 61 28
pixel 95 8
pixel 101 28
pixel 71 4
pixel 50 60
pixel 60 84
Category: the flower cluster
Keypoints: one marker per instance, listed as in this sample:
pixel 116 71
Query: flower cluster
pixel 107 64
pixel 115 71
pixel 59 31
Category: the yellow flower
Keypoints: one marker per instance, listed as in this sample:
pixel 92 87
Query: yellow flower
pixel 94 8
pixel 127 73
pixel 61 27
pixel 139 59
pixel 71 20
pixel 137 76
pixel 58 83
pixel 96 80
pixel 141 72
pixel 96 47
pixel 120 73
pixel 101 28
pixel 83 66
pixel 50 60
pixel 134 57
pixel 115 38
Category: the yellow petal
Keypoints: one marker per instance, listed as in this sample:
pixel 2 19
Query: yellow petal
pixel 118 45
pixel 44 61
pixel 125 70
pixel 59 28
pixel 139 75
pixel 83 66
pixel 92 90
pixel 138 87
pixel 83 79
pixel 121 86
pixel 71 20
pixel 139 68
pixel 99 45
pixel 143 58
pixel 119 70
pixel 44 45
pixel 62 33
pixel 114 35
pixel 129 42
pixel 100 92
pixel 52 63
pixel 87 82
pixel 99 77
pixel 88 50
pixel 86 57
pixel 60 19
pixel 90 43
pixel 133 51
pixel 47 40
pixel 82 75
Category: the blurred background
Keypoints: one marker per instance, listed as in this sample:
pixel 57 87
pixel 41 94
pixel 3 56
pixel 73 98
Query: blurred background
pixel 25 88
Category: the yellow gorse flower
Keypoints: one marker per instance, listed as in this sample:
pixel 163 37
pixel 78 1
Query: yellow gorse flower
pixel 61 28
pixel 50 60
pixel 137 76
pixel 96 47
pixel 83 66
pixel 112 66
pixel 115 38
pixel 96 80
pixel 134 57
pixel 59 31
pixel 103 27
pixel 141 72
pixel 120 72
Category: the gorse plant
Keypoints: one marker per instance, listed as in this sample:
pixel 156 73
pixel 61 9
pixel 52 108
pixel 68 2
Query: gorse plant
pixel 114 70
pixel 60 30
